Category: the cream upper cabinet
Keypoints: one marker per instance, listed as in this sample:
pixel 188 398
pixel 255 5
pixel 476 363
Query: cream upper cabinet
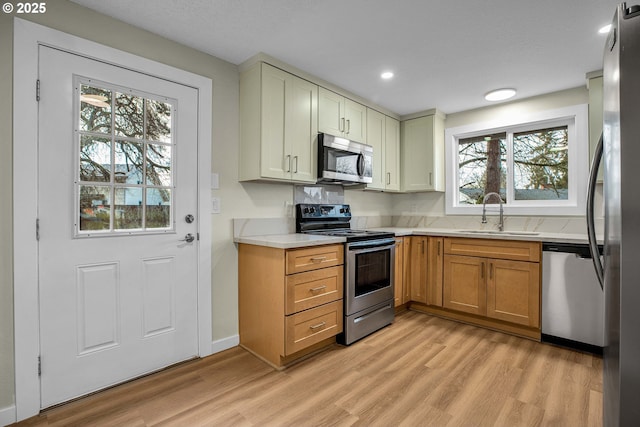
pixel 341 116
pixel 422 153
pixel 278 126
pixel 383 134
pixel 375 138
pixel 595 118
pixel 392 154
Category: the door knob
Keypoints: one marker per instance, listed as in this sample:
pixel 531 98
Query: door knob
pixel 188 238
pixel 189 218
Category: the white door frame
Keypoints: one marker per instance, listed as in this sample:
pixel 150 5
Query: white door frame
pixel 27 37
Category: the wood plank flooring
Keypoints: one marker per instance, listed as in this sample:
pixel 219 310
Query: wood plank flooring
pixel 420 371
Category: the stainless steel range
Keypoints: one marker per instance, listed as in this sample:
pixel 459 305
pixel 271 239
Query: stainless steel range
pixel 369 268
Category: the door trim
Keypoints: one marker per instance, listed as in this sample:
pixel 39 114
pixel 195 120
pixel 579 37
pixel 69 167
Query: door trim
pixel 27 37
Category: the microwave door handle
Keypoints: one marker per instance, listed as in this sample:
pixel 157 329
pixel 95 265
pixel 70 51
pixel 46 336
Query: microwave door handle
pixel 360 164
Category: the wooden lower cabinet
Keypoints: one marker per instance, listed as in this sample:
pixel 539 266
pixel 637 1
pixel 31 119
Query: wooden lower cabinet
pixel 401 280
pixel 464 284
pixel 290 301
pixel 492 283
pixel 418 276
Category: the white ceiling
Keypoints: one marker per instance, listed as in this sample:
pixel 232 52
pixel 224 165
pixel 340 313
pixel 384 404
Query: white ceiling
pixel 445 54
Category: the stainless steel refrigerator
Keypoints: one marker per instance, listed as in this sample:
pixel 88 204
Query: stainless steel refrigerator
pixel 620 152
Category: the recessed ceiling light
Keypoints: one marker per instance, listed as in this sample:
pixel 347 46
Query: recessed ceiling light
pixel 500 94
pixel 605 29
pixel 386 75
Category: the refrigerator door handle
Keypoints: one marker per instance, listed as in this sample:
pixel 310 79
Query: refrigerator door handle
pixel 591 231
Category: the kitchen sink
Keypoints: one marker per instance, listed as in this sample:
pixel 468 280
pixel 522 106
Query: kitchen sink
pixel 508 233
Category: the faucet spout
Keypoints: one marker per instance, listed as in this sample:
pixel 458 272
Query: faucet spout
pixel 484 209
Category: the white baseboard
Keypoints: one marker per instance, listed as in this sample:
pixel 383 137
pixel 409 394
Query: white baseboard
pixel 7 415
pixel 225 343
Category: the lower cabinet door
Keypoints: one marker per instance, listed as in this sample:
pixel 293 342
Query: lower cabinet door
pixel 513 291
pixel 311 326
pixel 464 287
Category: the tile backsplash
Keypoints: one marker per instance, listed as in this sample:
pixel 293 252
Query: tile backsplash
pixel 316 193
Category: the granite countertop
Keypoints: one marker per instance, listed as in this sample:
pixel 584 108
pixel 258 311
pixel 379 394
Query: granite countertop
pixel 291 241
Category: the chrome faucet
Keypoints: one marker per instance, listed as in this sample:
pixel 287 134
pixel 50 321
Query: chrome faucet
pixel 484 210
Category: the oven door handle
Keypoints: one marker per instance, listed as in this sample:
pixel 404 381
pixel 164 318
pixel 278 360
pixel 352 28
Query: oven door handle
pixel 370 247
pixel 360 166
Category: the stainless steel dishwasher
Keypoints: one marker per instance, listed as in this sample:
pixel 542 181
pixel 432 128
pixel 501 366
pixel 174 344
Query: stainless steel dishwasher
pixel 572 300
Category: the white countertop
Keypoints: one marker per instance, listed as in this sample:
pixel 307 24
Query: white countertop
pixel 291 241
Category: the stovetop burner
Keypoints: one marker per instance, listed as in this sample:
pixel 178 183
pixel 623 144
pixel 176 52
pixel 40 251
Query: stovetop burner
pixel 332 220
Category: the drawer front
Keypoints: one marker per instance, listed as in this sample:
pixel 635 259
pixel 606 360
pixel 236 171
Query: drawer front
pixel 489 248
pixel 313 288
pixel 299 260
pixel 312 326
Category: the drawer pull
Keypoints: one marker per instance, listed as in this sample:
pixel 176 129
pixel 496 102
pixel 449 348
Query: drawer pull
pixel 319 325
pixel 319 288
pixel 318 259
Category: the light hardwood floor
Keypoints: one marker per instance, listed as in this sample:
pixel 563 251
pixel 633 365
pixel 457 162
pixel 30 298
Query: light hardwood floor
pixel 420 371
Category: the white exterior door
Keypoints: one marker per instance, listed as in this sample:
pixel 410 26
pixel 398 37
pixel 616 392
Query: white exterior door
pixel 117 177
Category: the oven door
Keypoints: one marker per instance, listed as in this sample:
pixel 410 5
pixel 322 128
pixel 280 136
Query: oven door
pixel 345 161
pixel 370 272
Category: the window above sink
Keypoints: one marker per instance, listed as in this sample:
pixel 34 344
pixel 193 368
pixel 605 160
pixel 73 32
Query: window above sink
pixel 538 163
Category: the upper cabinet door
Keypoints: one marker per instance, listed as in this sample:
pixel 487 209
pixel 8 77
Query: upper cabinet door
pixel 422 148
pixel 330 112
pixel 275 161
pixel 375 138
pixel 392 154
pixel 355 127
pixel 341 116
pixel 302 129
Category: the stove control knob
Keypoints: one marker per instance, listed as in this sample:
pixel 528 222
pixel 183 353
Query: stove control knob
pixel 305 210
pixel 347 210
pixel 341 210
pixel 312 209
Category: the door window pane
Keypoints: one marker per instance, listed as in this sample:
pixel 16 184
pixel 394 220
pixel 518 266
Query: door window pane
pixel 128 208
pixel 482 167
pixel 541 164
pixel 95 109
pixel 158 121
pixel 129 120
pixel 158 164
pixel 95 159
pixel 95 207
pixel 128 162
pixel 158 208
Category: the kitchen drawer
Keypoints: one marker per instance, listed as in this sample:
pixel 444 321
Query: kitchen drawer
pixel 312 326
pixel 489 248
pixel 306 259
pixel 313 288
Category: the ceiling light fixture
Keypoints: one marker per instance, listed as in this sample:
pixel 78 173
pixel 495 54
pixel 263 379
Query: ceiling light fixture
pixel 386 75
pixel 500 94
pixel 605 29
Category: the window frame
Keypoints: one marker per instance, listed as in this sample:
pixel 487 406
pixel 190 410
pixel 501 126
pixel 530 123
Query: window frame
pixel 575 117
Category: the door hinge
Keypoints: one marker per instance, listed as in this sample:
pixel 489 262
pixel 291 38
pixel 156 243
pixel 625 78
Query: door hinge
pixel 38 90
pixel 37 228
pixel 39 365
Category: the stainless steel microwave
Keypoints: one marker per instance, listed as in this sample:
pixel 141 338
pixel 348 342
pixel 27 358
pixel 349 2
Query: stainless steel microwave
pixel 341 161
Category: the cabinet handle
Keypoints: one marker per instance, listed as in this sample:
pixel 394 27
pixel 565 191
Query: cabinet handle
pixel 289 162
pixel 296 160
pixel 422 247
pixel 482 271
pixel 318 259
pixel 319 325
pixel 438 247
pixel 341 129
pixel 430 178
pixel 348 126
pixel 490 270
pixel 318 288
pixel 388 178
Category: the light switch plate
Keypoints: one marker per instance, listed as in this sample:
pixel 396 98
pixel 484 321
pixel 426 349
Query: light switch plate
pixel 215 205
pixel 215 181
